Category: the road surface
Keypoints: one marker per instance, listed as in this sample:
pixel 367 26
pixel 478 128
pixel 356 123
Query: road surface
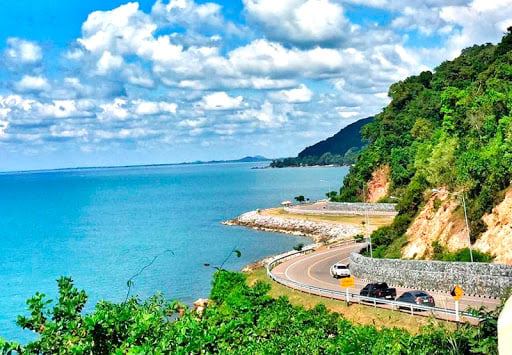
pixel 313 270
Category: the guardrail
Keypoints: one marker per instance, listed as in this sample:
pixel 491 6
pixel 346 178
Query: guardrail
pixel 450 314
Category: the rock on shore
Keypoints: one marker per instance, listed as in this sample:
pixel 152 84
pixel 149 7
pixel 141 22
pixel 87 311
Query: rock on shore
pixel 318 231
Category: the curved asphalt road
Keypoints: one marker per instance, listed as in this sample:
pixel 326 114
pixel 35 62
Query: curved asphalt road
pixel 313 270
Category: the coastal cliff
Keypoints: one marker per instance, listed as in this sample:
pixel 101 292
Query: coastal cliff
pixel 318 231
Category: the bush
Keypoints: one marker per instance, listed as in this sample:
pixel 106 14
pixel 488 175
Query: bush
pixel 440 253
pixel 239 319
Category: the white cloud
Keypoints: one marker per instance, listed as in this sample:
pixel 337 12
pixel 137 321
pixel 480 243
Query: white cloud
pixel 479 22
pixel 123 80
pixel 4 124
pixel 108 63
pixel 143 107
pixel 63 109
pixel 20 51
pixel 221 101
pixel 302 94
pixel 114 110
pixel 303 22
pixel 265 58
pixel 30 83
pixel 188 13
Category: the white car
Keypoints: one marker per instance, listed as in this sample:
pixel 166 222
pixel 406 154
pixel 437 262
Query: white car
pixel 339 270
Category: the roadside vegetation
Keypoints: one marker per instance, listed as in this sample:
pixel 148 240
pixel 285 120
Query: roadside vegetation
pixel 448 128
pixel 360 314
pixel 240 319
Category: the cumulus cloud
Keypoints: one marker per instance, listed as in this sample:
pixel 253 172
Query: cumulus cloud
pixel 221 101
pixel 298 95
pixel 20 51
pixel 30 83
pixel 301 22
pixel 143 107
pixel 477 22
pixel 108 63
pixel 187 73
pixel 188 14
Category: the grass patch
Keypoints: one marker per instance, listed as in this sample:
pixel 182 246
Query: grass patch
pixel 380 318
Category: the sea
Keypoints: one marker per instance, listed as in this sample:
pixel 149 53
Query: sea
pixel 103 226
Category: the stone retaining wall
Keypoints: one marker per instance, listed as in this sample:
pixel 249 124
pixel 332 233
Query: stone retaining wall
pixel 344 208
pixel 481 279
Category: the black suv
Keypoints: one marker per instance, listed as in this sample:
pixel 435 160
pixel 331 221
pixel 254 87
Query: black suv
pixel 379 290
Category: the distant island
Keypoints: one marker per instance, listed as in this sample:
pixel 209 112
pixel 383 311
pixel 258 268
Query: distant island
pixel 247 159
pixel 340 149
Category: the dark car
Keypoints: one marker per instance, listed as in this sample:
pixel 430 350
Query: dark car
pixel 417 297
pixel 379 290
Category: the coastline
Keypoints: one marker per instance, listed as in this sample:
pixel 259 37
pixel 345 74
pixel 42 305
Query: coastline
pixel 319 232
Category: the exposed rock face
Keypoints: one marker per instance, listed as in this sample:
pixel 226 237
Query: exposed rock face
pixel 436 222
pixel 318 231
pixel 440 221
pixel 378 186
pixel 497 239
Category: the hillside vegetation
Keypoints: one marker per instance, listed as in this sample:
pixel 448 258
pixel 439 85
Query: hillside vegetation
pixel 340 149
pixel 448 129
pixel 240 320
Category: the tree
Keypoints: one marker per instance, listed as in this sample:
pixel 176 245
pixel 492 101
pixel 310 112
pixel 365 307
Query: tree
pixel 300 198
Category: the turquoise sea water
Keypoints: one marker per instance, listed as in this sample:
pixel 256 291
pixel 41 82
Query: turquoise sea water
pixel 100 226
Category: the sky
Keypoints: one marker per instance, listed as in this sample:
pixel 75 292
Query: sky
pixel 111 82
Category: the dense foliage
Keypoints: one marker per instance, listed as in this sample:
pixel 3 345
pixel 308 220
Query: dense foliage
pixel 240 320
pixel 325 159
pixel 450 128
pixel 340 149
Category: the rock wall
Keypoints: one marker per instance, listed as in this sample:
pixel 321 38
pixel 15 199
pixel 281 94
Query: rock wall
pixel 378 186
pixel 345 208
pixel 489 280
pixel 497 239
pixel 436 222
pixel 318 231
pixel 441 220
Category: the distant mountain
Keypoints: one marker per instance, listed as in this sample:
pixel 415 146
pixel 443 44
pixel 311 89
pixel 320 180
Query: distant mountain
pixel 340 149
pixel 347 138
pixel 248 159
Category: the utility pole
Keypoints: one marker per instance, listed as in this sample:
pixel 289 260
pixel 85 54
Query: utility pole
pixel 465 219
pixel 367 221
pixel 467 227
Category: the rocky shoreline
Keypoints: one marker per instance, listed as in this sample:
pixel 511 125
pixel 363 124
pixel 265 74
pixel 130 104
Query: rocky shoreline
pixel 320 232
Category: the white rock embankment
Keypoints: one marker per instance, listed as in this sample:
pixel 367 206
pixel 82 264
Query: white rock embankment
pixel 318 231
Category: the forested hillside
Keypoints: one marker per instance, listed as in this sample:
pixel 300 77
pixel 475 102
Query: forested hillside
pixel 452 129
pixel 340 149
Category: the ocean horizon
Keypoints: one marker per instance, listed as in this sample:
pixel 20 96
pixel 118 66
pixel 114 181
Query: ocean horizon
pixel 102 225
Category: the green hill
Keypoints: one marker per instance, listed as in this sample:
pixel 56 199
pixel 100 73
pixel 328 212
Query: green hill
pixel 448 128
pixel 340 149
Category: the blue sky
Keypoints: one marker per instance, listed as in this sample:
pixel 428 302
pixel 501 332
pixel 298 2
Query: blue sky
pixel 111 82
